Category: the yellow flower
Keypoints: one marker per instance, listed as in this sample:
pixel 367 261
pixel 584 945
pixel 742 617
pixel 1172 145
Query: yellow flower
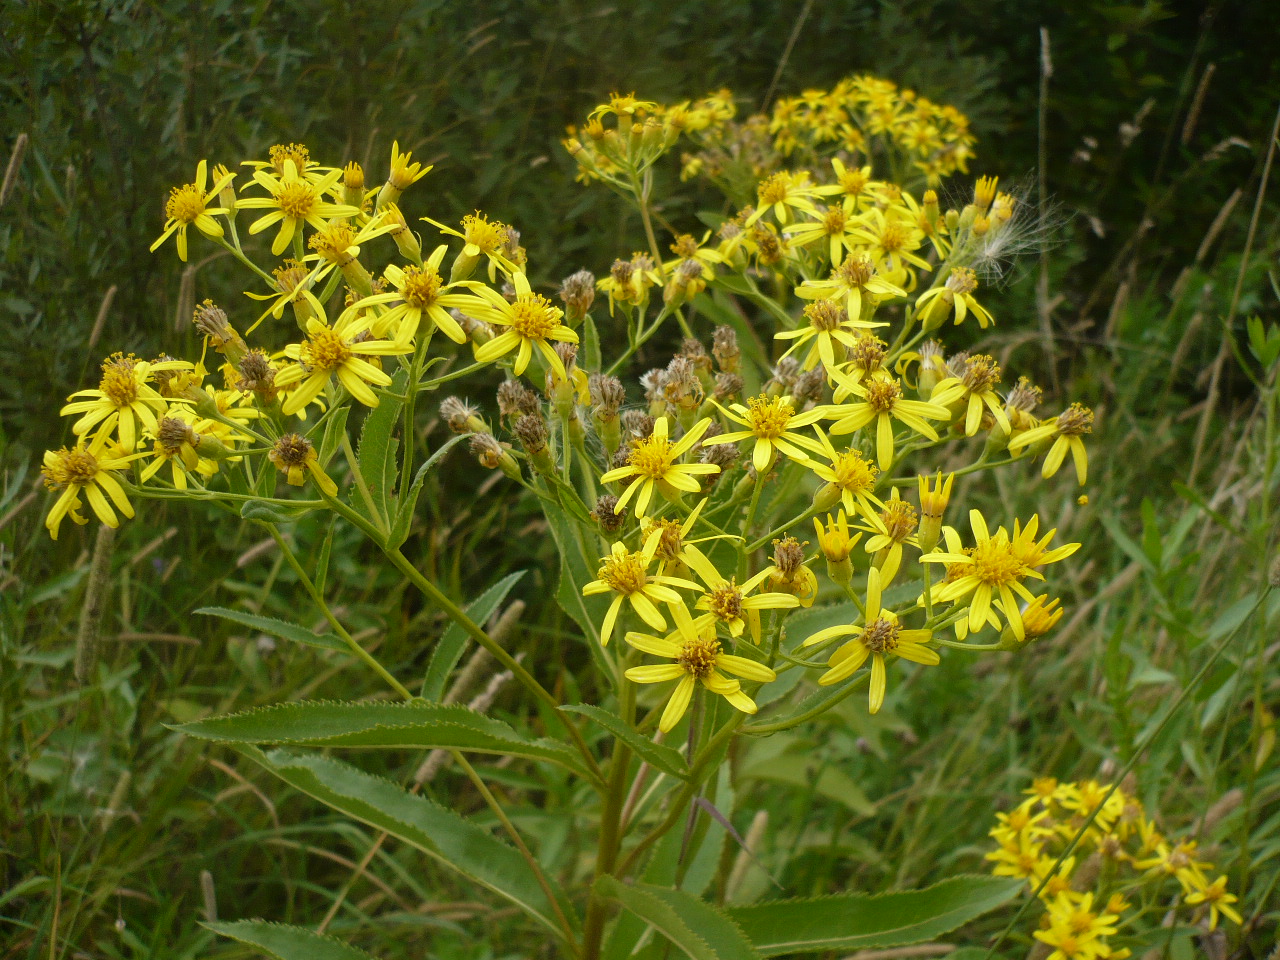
pixel 883 403
pixel 852 183
pixel 87 470
pixel 630 281
pixel 481 237
pixel 1069 945
pixel 532 321
pixel 975 390
pixel 295 456
pixel 855 281
pixel 771 422
pixel 1066 429
pixel 727 603
pixel 189 204
pixel 851 477
pixel 421 292
pixel 781 193
pixel 832 227
pixel 175 443
pixel 294 200
pixel 788 573
pixel 696 658
pixel 654 461
pixel 626 575
pixel 829 325
pixel 891 241
pixel 402 175
pixel 337 245
pixel 687 248
pixel 935 304
pixel 1216 898
pixel 890 529
pixel 879 635
pixel 992 569
pixel 124 400
pixel 335 351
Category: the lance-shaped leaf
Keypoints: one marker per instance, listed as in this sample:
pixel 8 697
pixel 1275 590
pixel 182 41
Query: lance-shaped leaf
pixel 859 921
pixel 404 515
pixel 277 628
pixel 453 641
pixel 286 942
pixel 416 725
pixel 435 830
pixel 657 755
pixel 695 927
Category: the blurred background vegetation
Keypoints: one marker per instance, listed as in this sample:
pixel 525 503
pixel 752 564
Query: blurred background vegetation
pixel 1155 127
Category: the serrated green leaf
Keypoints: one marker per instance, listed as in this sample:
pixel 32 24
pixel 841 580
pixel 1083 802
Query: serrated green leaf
pixel 435 830
pixel 576 570
pixel 271 512
pixel 657 755
pixel 454 640
pixel 404 514
pixel 286 942
pixel 377 452
pixel 695 927
pixel 277 628
pixel 416 725
pixel 859 921
pixel 589 358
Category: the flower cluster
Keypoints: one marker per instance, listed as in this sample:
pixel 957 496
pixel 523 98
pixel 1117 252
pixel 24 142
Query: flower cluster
pixel 1122 857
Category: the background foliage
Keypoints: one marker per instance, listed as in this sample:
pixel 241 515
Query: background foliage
pixel 107 818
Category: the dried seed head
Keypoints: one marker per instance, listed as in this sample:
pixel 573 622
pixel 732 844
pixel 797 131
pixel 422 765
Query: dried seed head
pixel 622 456
pixel 607 395
pixel 567 352
pixel 724 347
pixel 637 424
pixel 172 433
pixel 956 364
pixel 809 386
pixel 653 381
pixel 211 321
pixel 456 412
pixel 531 430
pixel 578 292
pixel 881 635
pixel 257 375
pixel 516 400
pixel 681 386
pixel 728 386
pixel 785 374
pixel 605 514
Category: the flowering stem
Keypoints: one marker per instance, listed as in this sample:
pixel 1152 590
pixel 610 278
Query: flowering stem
pixel 360 652
pixel 642 336
pixel 760 729
pixel 956 645
pixel 459 616
pixel 239 255
pixel 777 531
pixel 472 368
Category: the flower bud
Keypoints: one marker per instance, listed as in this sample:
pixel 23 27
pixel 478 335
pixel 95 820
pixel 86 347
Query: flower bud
pixel 933 504
pixel 353 185
pixel 406 240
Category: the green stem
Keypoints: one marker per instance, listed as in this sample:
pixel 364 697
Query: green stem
pixel 610 825
pixel 239 255
pixel 565 927
pixel 760 729
pixel 472 368
pixel 778 531
pixel 360 652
